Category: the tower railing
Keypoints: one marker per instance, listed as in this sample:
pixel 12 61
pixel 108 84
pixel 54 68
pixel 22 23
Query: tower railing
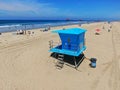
pixel 53 44
pixel 74 47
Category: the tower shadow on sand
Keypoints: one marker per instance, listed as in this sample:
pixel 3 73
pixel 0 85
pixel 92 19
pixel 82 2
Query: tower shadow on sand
pixel 69 60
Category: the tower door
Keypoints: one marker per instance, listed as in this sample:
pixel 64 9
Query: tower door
pixel 67 44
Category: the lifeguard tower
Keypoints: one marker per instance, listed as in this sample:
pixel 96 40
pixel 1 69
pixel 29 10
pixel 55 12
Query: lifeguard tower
pixel 72 44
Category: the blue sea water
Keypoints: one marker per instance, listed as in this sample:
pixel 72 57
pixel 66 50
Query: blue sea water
pixel 13 25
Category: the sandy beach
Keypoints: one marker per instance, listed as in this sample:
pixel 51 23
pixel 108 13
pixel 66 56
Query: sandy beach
pixel 25 62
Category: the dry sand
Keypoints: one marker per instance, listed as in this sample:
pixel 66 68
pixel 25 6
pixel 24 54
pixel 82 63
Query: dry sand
pixel 25 63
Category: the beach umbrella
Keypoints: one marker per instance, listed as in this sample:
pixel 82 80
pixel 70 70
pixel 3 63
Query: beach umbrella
pixel 98 30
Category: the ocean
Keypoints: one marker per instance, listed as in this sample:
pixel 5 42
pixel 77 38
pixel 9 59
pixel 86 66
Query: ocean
pixel 13 25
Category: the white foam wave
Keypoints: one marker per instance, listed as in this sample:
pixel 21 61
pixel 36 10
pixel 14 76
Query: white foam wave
pixel 6 26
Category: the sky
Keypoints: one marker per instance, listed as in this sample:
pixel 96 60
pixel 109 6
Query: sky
pixel 59 9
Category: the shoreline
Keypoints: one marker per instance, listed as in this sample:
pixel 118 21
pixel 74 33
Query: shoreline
pixel 37 26
pixel 52 26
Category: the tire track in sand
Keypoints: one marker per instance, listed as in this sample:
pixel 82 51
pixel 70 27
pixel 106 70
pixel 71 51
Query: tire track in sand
pixel 115 71
pixel 110 79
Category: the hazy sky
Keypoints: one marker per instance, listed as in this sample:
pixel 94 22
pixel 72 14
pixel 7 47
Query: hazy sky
pixel 59 9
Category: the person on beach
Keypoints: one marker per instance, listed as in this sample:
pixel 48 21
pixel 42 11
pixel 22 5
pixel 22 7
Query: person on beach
pixel 103 27
pixel 29 32
pixel 21 31
pixel 110 26
pixel 109 29
pixel 25 32
pixel 17 32
pixel 32 32
pixel 48 27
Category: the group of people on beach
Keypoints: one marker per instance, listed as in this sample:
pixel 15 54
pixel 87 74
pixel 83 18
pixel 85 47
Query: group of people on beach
pixel 97 31
pixel 46 29
pixel 19 32
pixel 109 29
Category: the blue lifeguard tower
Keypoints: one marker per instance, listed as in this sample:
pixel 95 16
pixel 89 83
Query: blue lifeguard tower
pixel 72 43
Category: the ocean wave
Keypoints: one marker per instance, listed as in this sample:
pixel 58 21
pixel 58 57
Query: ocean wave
pixel 7 26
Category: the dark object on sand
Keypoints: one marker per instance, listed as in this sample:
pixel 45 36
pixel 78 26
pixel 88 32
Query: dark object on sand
pixel 32 32
pixel 46 29
pixel 97 33
pixel 103 27
pixel 19 32
pixel 110 26
pixel 93 62
pixel 108 30
pixel 63 28
pixel 0 33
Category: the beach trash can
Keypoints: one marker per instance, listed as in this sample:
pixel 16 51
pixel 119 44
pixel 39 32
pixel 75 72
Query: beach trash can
pixel 93 62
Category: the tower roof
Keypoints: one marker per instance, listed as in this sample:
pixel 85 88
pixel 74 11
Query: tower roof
pixel 74 31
